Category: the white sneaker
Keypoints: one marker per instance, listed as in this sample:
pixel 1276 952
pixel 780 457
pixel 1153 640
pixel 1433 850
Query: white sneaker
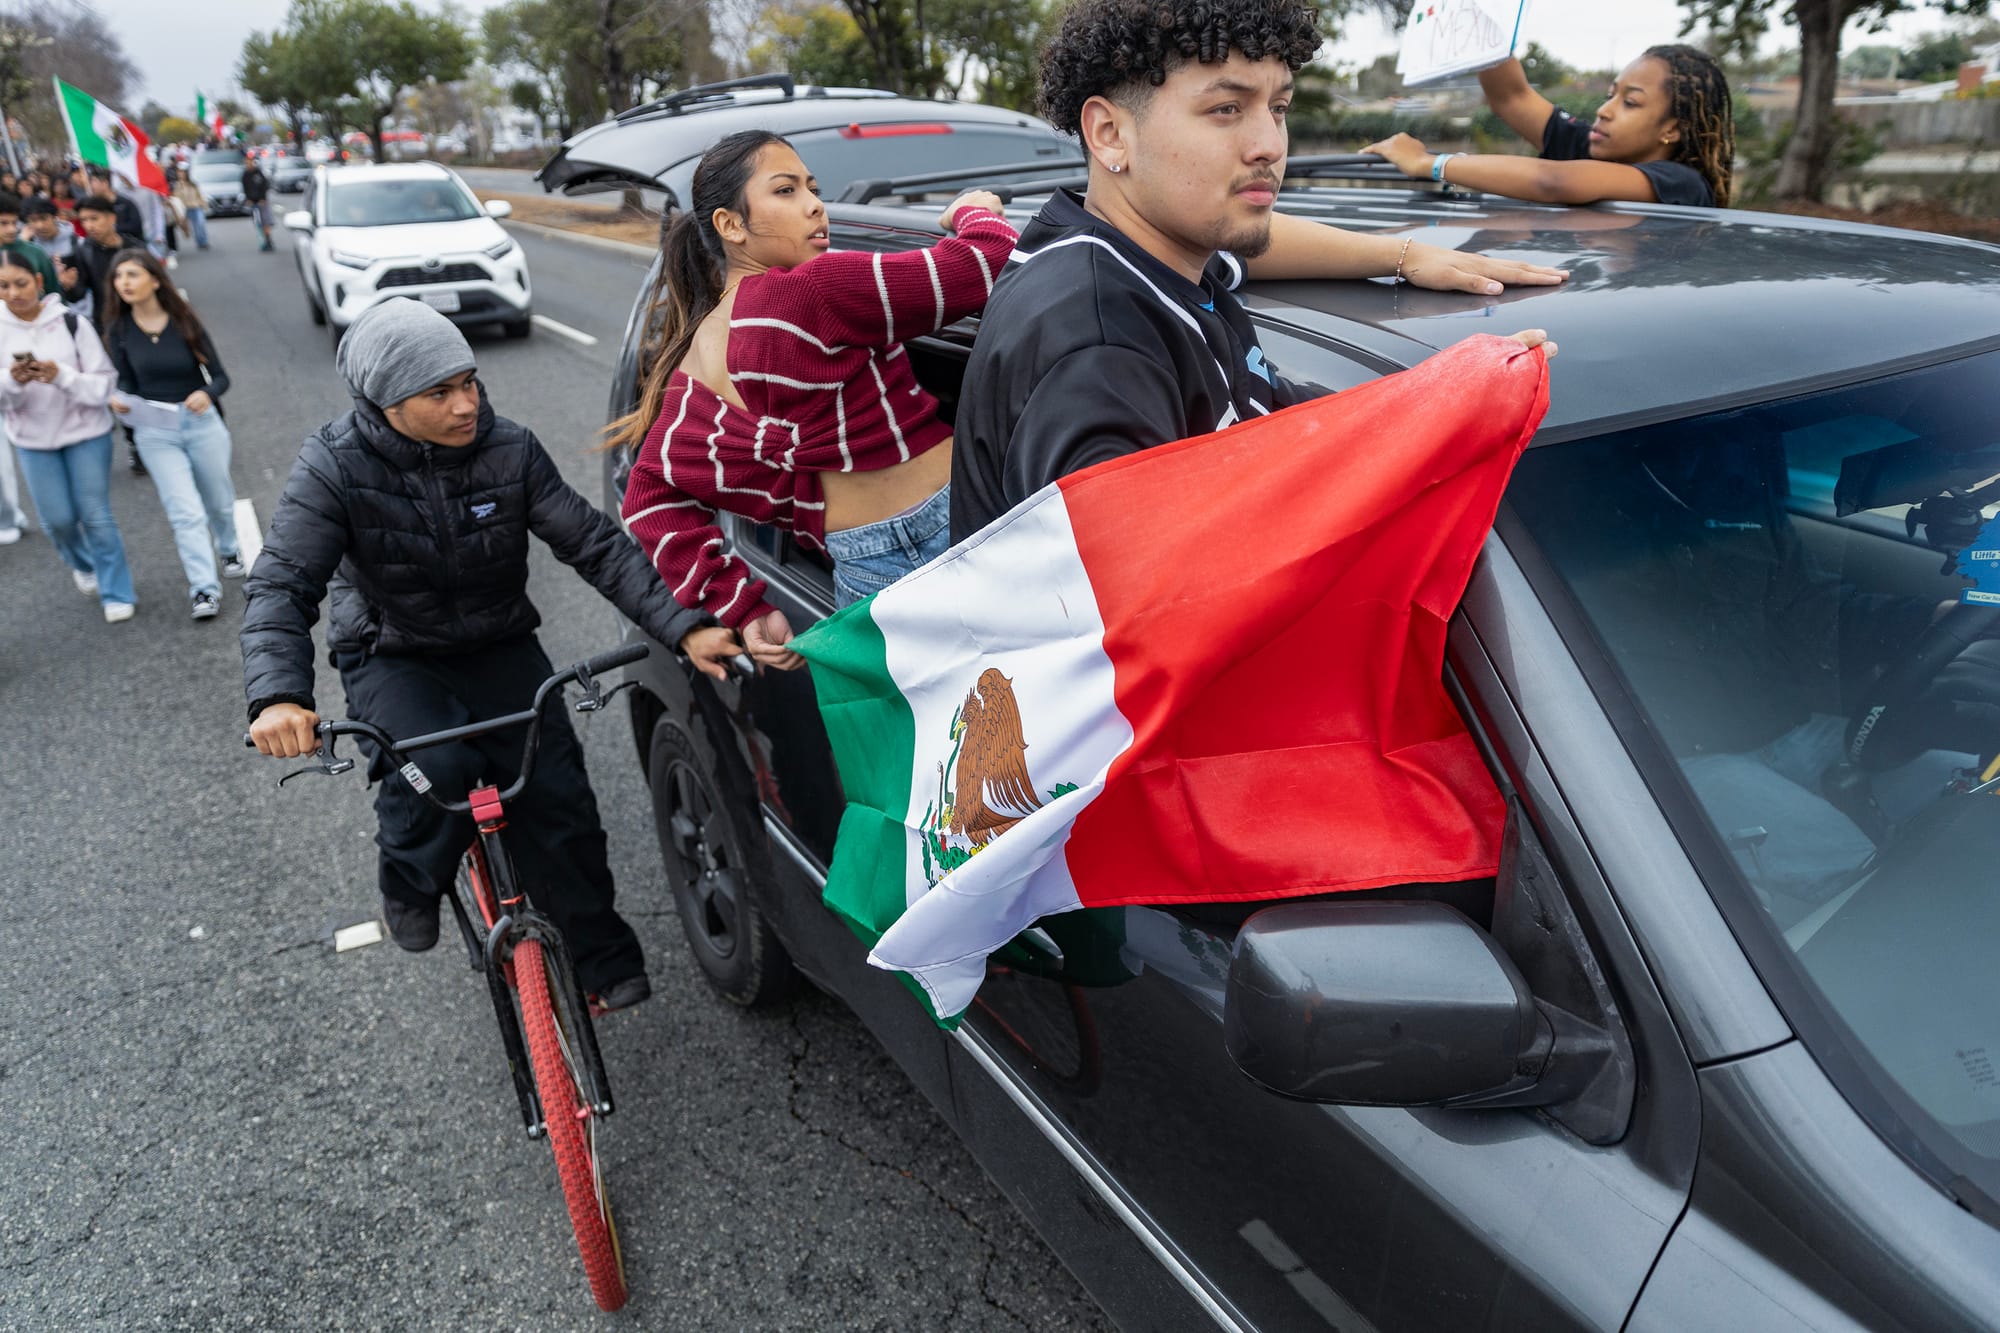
pixel 172 263
pixel 85 583
pixel 117 611
pixel 9 535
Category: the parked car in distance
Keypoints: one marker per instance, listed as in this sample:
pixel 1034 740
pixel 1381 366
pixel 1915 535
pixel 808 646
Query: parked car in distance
pixel 364 234
pixel 289 174
pixel 1742 945
pixel 218 172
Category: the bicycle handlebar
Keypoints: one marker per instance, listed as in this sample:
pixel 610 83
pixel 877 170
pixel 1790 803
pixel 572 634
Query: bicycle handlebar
pixel 583 673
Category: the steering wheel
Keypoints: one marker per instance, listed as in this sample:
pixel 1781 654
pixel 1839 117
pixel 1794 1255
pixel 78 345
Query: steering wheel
pixel 1905 682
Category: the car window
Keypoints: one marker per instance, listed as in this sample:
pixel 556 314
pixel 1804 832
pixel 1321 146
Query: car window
pixel 839 157
pixel 1769 590
pixel 216 173
pixel 379 203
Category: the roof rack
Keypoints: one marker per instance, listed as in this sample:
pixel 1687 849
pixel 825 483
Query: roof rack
pixel 1057 172
pixel 1344 166
pixel 675 103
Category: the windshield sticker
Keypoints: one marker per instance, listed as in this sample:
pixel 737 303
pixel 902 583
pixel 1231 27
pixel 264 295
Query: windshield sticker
pixel 1980 562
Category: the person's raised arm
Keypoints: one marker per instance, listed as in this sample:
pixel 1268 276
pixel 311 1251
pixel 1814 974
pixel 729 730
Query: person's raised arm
pixel 876 300
pixel 1541 180
pixel 1303 248
pixel 1515 101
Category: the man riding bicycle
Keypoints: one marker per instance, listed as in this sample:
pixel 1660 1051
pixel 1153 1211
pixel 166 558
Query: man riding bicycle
pixel 414 510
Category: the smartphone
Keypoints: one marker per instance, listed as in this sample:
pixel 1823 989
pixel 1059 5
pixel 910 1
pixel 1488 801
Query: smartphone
pixel 22 358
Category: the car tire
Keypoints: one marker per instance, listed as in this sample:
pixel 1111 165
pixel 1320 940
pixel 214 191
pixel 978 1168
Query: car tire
pixel 318 311
pixel 336 332
pixel 519 328
pixel 714 871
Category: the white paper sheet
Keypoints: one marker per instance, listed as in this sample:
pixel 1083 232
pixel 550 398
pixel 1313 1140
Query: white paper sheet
pixel 1446 38
pixel 147 413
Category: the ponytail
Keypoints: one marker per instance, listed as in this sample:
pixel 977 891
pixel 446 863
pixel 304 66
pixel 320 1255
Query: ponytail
pixel 691 272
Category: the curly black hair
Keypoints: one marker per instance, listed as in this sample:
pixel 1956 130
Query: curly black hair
pixel 1126 48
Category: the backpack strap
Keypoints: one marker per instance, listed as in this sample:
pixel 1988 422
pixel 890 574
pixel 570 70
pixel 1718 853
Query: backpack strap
pixel 69 322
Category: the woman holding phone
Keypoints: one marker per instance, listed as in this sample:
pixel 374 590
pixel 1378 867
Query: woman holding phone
pixel 58 378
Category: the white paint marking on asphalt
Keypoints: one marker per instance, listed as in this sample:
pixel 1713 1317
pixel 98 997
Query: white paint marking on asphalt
pixel 249 537
pixel 564 330
pixel 357 936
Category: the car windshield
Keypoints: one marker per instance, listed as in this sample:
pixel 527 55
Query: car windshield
pixel 215 173
pixel 390 203
pixel 1796 614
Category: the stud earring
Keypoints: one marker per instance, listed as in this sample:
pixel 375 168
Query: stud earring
pixel 1116 168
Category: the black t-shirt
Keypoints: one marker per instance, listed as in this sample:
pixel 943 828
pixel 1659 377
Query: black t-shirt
pixel 1567 139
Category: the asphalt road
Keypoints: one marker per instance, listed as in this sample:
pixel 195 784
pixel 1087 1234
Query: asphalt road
pixel 217 1122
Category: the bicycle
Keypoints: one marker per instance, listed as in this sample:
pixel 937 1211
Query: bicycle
pixel 544 1016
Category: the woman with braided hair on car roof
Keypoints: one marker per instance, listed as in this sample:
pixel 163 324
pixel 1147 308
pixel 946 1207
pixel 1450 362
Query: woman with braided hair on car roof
pixel 778 389
pixel 1666 134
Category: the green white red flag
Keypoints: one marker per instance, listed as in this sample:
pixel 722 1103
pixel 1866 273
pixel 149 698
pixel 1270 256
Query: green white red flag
pixel 100 135
pixel 1208 671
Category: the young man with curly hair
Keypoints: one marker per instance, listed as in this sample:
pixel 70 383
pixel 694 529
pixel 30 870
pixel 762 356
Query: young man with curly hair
pixel 1116 327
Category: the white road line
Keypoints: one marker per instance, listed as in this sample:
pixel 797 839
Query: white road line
pixel 249 537
pixel 564 330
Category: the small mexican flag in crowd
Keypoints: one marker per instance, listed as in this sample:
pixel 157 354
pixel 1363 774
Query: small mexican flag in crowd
pixel 102 136
pixel 1208 671
pixel 210 118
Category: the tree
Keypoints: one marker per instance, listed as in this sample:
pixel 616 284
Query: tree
pixel 1875 61
pixel 176 129
pixel 1936 58
pixel 150 116
pixel 277 72
pixel 392 47
pixel 817 44
pixel 1735 25
pixel 594 56
pixel 995 41
pixel 42 43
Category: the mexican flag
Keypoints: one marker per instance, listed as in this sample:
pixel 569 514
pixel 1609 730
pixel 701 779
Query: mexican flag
pixel 1208 671
pixel 102 136
pixel 209 120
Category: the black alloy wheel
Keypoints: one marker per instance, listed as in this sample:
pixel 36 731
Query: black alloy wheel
pixel 713 871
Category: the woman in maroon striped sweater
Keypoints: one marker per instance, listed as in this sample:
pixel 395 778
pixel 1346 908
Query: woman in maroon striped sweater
pixel 780 391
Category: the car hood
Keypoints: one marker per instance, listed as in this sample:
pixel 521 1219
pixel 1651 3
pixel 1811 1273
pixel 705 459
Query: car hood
pixel 416 239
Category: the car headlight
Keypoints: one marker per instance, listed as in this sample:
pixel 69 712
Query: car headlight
pixel 500 251
pixel 342 257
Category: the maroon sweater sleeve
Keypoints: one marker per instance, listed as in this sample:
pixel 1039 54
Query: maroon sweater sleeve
pixel 858 299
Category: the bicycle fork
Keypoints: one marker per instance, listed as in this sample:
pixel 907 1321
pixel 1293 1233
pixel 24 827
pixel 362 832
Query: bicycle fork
pixel 519 920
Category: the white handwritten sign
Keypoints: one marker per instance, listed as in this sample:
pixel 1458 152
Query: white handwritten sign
pixel 1445 38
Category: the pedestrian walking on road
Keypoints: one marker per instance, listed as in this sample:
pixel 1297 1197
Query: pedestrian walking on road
pixel 257 194
pixel 193 205
pixel 54 395
pixel 165 357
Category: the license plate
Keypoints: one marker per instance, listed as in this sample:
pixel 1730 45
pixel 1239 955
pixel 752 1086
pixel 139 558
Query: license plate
pixel 444 301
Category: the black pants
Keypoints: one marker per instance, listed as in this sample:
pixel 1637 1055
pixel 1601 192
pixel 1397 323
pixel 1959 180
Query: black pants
pixel 553 832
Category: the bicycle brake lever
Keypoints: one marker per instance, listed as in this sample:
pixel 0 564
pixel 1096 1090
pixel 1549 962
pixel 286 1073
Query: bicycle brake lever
pixel 597 698
pixel 325 768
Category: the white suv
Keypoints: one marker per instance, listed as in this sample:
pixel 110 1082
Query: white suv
pixel 373 233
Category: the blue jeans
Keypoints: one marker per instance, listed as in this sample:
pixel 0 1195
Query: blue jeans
pixel 869 558
pixel 189 466
pixel 11 513
pixel 198 226
pixel 71 487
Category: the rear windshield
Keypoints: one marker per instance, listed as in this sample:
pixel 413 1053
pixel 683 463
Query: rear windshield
pixel 391 203
pixel 1796 608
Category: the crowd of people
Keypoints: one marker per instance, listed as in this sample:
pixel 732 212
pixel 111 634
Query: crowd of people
pixel 101 341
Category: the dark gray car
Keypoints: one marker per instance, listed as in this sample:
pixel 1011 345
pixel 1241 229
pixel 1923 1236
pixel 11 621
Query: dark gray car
pixel 1718 1048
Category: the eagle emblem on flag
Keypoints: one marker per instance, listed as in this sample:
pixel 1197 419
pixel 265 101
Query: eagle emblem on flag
pixel 984 788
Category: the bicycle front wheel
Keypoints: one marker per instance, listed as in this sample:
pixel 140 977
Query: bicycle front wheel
pixel 572 1126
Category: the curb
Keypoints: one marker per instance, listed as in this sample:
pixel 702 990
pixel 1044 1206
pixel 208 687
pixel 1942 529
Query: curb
pixel 581 238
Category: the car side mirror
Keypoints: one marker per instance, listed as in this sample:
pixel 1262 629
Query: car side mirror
pixel 299 220
pixel 1378 1004
pixel 1382 1003
pixel 499 208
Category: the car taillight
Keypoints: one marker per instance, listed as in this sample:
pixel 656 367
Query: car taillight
pixel 894 131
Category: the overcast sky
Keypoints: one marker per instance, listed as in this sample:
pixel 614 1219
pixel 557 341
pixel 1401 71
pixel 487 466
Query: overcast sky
pixel 183 47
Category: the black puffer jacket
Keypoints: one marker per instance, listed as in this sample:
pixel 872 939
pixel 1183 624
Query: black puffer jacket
pixel 425 550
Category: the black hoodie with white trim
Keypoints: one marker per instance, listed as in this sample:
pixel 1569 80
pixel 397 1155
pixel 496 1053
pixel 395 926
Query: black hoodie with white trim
pixel 1091 349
